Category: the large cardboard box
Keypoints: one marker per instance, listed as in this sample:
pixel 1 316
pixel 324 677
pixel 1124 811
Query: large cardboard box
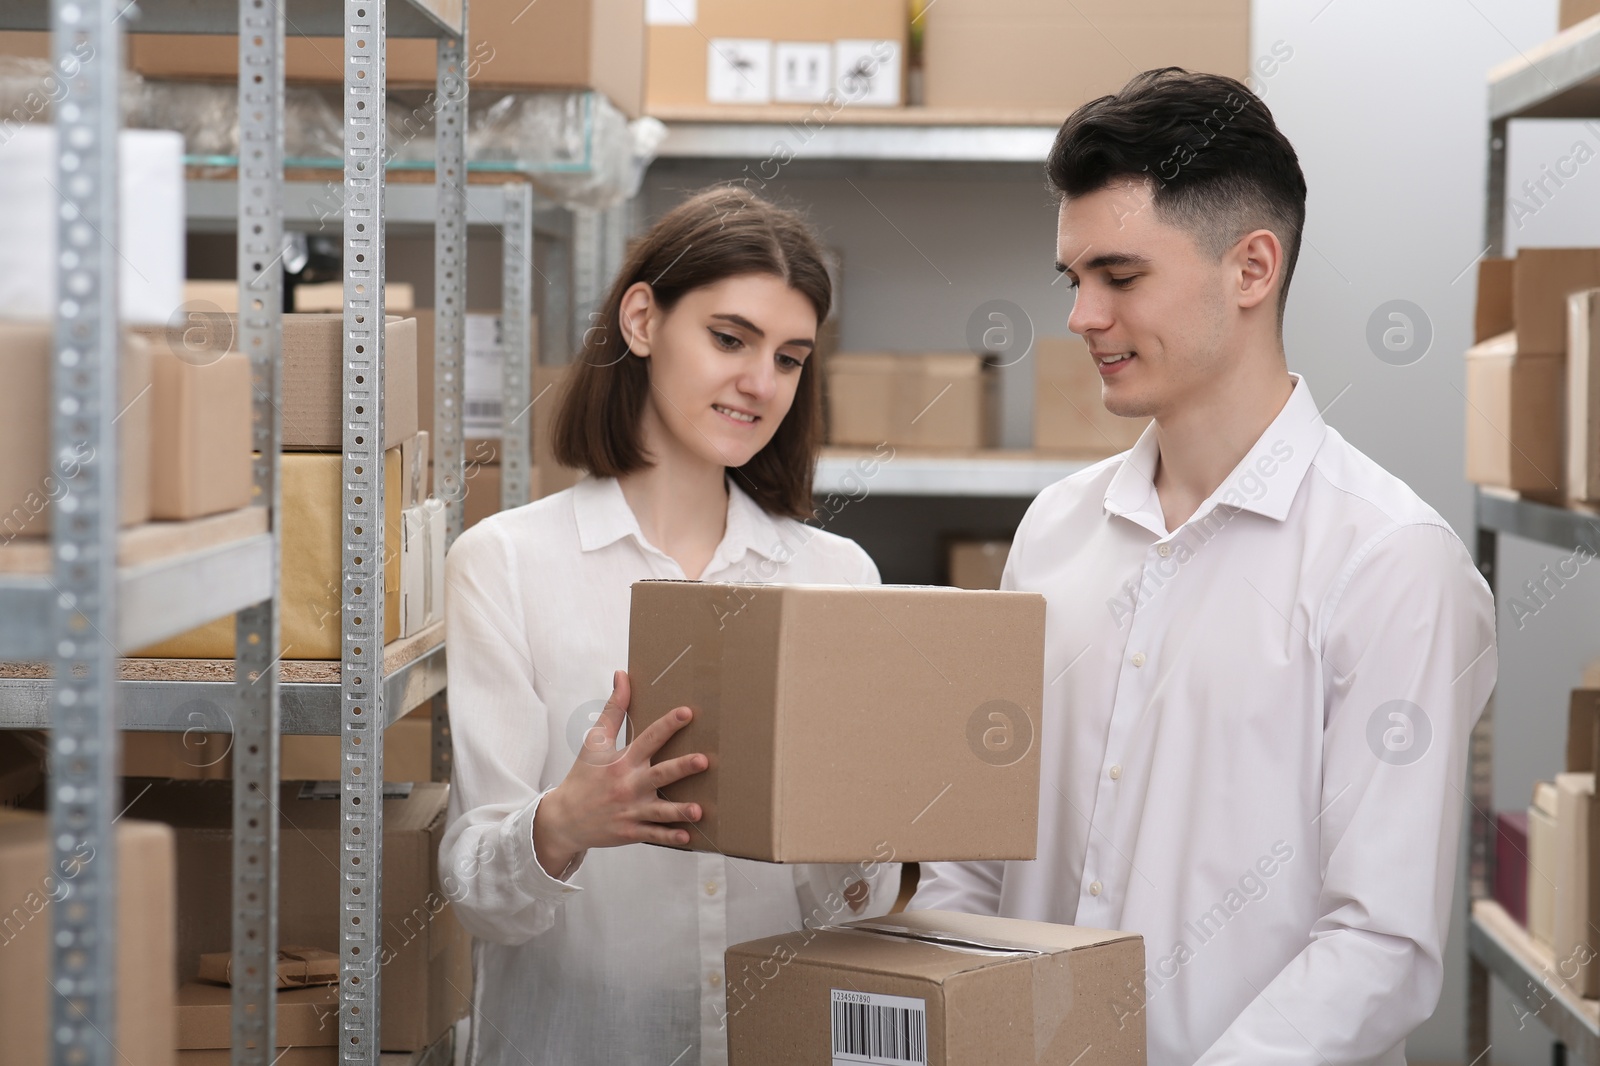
pixel 1583 395
pixel 1542 847
pixel 847 723
pixel 311 564
pixel 1528 295
pixel 1492 314
pixel 427 973
pixel 597 44
pixel 313 381
pixel 978 564
pixel 1068 412
pixel 146 914
pixel 201 433
pixel 943 401
pixel 938 987
pixel 1513 418
pixel 825 53
pixel 29 481
pixel 307 1025
pixel 1575 11
pixel 1053 56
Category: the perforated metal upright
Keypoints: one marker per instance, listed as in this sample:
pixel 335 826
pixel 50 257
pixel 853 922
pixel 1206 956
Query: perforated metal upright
pixel 516 332
pixel 83 537
pixel 256 729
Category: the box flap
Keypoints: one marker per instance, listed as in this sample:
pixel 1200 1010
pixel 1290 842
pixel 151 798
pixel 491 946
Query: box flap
pixel 993 931
pixel 1501 346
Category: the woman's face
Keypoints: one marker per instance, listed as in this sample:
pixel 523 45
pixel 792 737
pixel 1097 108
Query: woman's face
pixel 724 363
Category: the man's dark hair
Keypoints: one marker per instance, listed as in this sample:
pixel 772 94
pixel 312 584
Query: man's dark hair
pixel 1218 165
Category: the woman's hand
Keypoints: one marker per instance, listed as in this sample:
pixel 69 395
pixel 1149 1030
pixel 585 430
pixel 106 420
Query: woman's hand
pixel 609 797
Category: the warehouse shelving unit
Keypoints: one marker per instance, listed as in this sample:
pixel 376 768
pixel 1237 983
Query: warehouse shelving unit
pixel 1558 79
pixel 86 607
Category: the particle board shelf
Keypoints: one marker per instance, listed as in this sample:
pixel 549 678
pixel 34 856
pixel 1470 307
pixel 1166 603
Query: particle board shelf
pixel 1527 969
pixel 1560 526
pixel 172 576
pixel 860 134
pixel 175 695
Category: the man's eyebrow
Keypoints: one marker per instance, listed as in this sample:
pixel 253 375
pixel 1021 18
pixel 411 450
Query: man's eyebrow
pixel 1108 259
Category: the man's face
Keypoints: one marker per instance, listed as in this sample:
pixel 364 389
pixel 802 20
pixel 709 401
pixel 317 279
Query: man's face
pixel 1145 291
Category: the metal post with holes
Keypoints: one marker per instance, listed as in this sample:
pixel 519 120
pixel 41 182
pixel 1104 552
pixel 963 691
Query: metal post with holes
pixel 449 318
pixel 361 658
pixel 516 336
pixel 83 536
pixel 256 729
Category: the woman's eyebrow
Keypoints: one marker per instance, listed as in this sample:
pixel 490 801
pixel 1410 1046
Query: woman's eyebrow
pixel 743 323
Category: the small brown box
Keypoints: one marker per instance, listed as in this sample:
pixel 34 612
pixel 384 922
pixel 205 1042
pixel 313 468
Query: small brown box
pixel 298 967
pixel 201 433
pixel 943 401
pixel 307 1022
pixel 1541 281
pixel 978 564
pixel 1068 412
pixel 1514 414
pixel 800 691
pixel 313 376
pixel 957 989
pixel 29 482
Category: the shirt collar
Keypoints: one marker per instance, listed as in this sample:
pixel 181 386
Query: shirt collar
pixel 1265 481
pixel 604 518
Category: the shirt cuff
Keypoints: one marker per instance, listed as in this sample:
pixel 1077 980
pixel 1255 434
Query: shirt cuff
pixel 533 875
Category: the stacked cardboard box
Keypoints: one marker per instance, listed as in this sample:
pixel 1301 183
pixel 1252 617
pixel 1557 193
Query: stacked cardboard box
pixel 1049 56
pixel 1069 415
pixel 941 401
pixel 978 564
pixel 827 54
pixel 932 986
pixel 1583 395
pixel 1517 368
pixel 1563 881
pixel 146 916
pixel 427 976
pixel 307 1026
pixel 1542 863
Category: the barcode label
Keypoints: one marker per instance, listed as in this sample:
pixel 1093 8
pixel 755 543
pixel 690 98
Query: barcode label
pixel 879 1030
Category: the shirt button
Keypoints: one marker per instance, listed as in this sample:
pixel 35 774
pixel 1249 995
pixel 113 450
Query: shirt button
pixel 1094 888
pixel 711 888
pixel 1163 550
pixel 1138 658
pixel 716 980
pixel 1115 772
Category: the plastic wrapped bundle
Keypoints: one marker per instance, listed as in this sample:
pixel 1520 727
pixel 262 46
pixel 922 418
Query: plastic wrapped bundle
pixel 208 117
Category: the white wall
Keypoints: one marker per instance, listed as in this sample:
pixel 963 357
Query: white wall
pixel 1385 102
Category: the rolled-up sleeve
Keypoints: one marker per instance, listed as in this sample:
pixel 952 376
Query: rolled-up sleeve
pixel 1409 661
pixel 499 740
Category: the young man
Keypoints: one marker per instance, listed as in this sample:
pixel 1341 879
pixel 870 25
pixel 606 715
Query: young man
pixel 1264 653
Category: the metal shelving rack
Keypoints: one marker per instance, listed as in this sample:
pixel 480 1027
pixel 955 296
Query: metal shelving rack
pixel 87 609
pixel 1558 79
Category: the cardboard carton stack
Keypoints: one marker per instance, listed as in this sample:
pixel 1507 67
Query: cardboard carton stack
pixel 580 44
pixel 823 57
pixel 869 725
pixel 1517 375
pixel 936 401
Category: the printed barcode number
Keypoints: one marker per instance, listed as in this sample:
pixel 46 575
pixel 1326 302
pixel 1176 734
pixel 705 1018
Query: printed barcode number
pixel 881 1031
pixel 481 408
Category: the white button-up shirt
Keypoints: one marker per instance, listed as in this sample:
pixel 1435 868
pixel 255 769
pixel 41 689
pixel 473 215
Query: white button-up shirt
pixel 622 962
pixel 1254 744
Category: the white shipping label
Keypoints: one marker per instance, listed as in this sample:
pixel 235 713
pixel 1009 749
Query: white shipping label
pixel 738 71
pixel 671 12
pixel 879 1030
pixel 867 73
pixel 481 386
pixel 802 73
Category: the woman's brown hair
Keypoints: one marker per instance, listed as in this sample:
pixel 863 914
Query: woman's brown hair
pixel 719 233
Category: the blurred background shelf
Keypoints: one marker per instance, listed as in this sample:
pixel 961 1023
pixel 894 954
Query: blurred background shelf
pixel 997 472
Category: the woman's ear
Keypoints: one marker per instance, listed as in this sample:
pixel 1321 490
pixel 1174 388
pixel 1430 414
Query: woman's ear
pixel 636 317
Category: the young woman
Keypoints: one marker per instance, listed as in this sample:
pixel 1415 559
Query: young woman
pixel 695 410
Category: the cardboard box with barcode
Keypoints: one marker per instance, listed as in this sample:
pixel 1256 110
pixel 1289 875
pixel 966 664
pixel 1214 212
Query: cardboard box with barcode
pixel 847 723
pixel 1048 56
pixel 307 1027
pixel 578 44
pixel 824 55
pixel 146 915
pixel 427 973
pixel 937 987
pixel 1517 368
pixel 1069 415
pixel 30 483
pixel 940 401
pixel 311 564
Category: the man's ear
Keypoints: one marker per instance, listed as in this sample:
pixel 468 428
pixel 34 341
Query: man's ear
pixel 1258 257
pixel 637 316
